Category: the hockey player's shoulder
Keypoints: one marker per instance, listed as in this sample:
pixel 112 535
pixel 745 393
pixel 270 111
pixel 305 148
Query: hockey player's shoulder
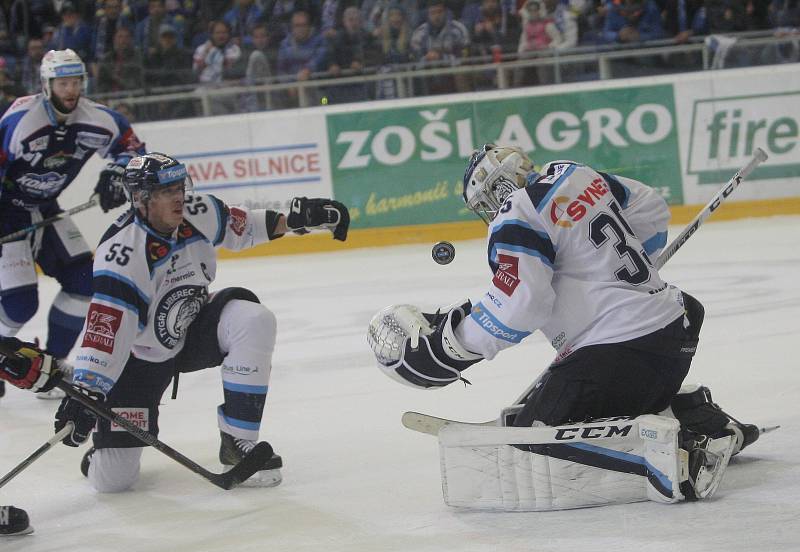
pixel 208 214
pixel 120 244
pixel 125 220
pixel 19 108
pixel 553 175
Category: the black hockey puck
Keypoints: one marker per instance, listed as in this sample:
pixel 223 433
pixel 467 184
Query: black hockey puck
pixel 443 252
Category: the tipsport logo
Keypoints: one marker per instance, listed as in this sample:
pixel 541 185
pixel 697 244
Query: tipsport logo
pixel 725 133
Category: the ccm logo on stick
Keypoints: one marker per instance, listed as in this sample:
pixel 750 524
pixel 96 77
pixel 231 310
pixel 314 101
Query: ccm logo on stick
pixel 592 432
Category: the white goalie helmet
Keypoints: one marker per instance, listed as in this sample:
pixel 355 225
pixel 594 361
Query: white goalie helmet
pixel 60 63
pixel 492 174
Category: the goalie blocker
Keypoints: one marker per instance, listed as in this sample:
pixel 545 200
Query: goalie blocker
pixel 610 461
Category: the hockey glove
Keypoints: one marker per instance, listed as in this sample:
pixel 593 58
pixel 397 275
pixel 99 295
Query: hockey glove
pixel 84 418
pixel 420 349
pixel 310 214
pixel 26 366
pixel 109 187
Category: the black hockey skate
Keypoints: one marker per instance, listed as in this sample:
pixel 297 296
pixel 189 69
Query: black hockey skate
pixel 232 450
pixel 697 411
pixel 14 521
pixel 86 460
pixel 705 463
pixel 2 388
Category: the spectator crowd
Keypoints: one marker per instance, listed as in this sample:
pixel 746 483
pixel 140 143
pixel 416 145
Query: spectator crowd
pixel 141 45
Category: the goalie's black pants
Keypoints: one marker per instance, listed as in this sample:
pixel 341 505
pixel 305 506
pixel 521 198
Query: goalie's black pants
pixel 631 378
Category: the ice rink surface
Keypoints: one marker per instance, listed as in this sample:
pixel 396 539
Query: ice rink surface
pixel 356 480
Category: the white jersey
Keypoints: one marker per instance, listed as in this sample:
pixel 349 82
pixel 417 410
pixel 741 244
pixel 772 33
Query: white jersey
pixel 571 256
pixel 148 289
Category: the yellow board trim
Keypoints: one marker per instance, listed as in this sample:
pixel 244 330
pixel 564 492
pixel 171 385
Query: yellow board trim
pixel 455 231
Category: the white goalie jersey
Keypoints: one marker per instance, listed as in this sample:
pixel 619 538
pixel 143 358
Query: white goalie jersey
pixel 148 288
pixel 571 256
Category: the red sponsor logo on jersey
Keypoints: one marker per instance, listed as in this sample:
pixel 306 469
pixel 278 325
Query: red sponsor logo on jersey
pixel 564 212
pixel 237 220
pixel 102 324
pixel 157 250
pixel 506 279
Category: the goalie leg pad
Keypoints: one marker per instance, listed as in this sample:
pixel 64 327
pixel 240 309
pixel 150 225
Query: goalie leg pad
pixel 554 468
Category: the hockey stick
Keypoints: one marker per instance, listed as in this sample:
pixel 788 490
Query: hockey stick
pixel 249 465
pixel 66 430
pixel 13 236
pixel 712 206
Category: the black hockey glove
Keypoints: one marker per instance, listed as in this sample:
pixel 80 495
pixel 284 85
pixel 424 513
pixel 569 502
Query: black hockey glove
pixel 84 419
pixel 109 187
pixel 310 214
pixel 26 366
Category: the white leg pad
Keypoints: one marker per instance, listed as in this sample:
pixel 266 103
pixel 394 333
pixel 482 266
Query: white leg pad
pixel 575 466
pixel 113 470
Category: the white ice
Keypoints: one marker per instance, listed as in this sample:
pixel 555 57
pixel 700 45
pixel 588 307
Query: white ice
pixel 356 480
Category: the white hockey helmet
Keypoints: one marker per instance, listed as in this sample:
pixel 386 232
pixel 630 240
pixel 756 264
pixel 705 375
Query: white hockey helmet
pixel 492 174
pixel 60 63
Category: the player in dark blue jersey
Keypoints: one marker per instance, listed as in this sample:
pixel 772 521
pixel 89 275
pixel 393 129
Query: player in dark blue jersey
pixel 45 140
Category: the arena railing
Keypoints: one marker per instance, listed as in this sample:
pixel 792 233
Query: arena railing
pixel 470 74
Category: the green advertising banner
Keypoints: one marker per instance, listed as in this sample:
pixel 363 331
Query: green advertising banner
pixel 404 165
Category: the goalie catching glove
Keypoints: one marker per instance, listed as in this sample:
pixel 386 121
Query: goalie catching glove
pixel 312 214
pixel 420 349
pixel 26 366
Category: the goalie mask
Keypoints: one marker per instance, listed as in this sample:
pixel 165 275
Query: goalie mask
pixel 493 173
pixel 150 172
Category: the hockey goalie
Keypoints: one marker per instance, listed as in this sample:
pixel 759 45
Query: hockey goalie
pixel 609 421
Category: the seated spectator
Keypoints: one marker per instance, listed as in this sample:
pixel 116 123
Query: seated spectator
pixel 258 69
pixel 629 21
pixel 216 60
pixel 351 49
pixel 495 31
pixel 784 19
pixel 374 13
pixel 122 68
pixel 684 19
pixel 439 41
pixel 395 35
pixel 301 53
pixel 242 18
pixel 546 25
pixel 105 25
pixel 278 14
pixel 72 33
pixel 170 65
pixel 538 28
pixel 726 16
pixel 29 78
pixel 147 28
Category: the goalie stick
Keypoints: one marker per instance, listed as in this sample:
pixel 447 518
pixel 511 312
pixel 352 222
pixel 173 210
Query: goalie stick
pixel 758 157
pixel 249 465
pixel 425 423
pixel 66 430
